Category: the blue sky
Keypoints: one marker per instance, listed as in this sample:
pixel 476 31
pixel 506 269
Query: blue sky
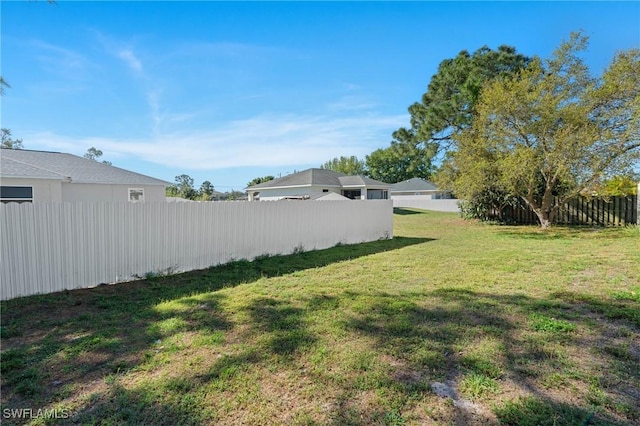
pixel 227 92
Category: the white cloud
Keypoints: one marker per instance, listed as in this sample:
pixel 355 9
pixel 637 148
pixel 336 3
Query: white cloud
pixel 265 140
pixel 129 57
pixel 57 56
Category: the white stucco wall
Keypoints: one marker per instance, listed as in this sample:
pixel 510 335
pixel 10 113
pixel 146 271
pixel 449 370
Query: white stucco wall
pixel 423 195
pixel 44 190
pixel 73 192
pixel 425 202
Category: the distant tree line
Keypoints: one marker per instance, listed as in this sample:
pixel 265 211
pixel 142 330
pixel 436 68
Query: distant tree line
pixel 184 187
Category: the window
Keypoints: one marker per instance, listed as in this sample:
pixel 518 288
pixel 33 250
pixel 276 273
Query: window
pixel 136 195
pixel 353 194
pixel 325 190
pixel 16 194
pixel 377 194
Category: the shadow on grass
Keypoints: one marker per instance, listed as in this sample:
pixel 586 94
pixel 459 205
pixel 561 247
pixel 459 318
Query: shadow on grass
pixel 92 338
pixel 534 351
pixel 560 232
pixel 403 212
pixel 281 325
pixel 54 345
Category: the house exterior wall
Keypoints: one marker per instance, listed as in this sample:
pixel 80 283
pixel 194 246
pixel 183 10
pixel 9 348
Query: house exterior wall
pixel 425 202
pixel 425 195
pixel 88 192
pixel 278 193
pixel 44 190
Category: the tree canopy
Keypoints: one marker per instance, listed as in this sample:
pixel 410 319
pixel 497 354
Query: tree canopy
pixel 448 105
pixel 94 154
pixel 347 165
pixel 618 186
pixel 206 189
pixel 6 141
pixel 3 84
pixel 262 179
pixel 552 131
pixel 446 108
pixel 399 162
pixel 184 188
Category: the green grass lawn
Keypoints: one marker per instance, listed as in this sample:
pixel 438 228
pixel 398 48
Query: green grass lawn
pixel 526 327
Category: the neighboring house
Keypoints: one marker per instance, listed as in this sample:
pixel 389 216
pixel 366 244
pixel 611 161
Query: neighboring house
pixel 418 188
pixel 41 176
pixel 217 195
pixel 303 184
pixel 318 196
pixel 421 194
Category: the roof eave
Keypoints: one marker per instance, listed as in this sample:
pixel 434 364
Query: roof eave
pixel 306 185
pixel 120 183
pixel 34 177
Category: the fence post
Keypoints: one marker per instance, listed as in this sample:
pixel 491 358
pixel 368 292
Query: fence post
pixel 638 205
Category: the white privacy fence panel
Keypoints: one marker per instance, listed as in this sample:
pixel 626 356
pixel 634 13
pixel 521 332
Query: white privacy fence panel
pixel 425 203
pixel 48 247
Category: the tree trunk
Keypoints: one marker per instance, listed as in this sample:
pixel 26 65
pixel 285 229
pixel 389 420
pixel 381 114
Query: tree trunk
pixel 545 211
pixel 545 219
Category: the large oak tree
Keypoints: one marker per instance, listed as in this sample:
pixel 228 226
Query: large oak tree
pixel 552 131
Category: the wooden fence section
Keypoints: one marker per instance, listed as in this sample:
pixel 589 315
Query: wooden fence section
pixel 49 247
pixel 613 211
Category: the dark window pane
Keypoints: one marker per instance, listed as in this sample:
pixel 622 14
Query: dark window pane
pixel 16 192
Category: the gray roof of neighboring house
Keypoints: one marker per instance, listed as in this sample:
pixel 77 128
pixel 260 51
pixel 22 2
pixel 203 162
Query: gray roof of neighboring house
pixel 348 181
pixel 414 184
pixel 12 168
pixel 23 163
pixel 318 177
pixel 327 196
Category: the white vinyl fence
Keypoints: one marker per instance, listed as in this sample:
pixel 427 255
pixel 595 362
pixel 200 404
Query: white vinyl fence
pixel 424 202
pixel 49 247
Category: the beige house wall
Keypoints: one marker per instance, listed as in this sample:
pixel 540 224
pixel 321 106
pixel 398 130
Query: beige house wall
pixel 89 192
pixel 44 190
pixel 55 190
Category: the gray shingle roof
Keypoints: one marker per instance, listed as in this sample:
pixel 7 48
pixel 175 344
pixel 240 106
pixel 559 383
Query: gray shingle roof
pixel 318 177
pixel 414 184
pixel 57 165
pixel 12 168
pixel 322 196
pixel 304 178
pixel 361 181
